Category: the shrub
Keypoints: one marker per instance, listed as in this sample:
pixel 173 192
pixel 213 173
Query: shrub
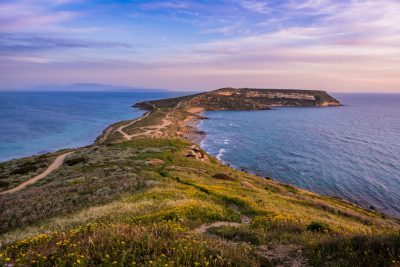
pixel 243 234
pixel 74 161
pixel 290 188
pixel 25 168
pixel 280 223
pixel 4 183
pixel 318 227
pixel 223 176
pixel 261 221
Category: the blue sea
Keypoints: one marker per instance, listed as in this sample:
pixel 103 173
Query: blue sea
pixel 39 122
pixel 351 152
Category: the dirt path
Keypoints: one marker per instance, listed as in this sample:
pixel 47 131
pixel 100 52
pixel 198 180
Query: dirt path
pixel 121 128
pixel 53 166
pixel 105 135
pixel 204 227
pixel 153 129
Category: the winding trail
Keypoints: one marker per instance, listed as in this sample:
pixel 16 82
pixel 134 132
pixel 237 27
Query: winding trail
pixel 204 227
pixel 153 129
pixel 53 166
pixel 129 136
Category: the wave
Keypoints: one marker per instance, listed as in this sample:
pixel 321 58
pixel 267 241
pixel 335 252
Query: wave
pixel 220 153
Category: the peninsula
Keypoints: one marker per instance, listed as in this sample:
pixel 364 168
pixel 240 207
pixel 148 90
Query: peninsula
pixel 172 117
pixel 145 195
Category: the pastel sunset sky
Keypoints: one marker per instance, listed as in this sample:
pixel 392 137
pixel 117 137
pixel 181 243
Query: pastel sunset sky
pixel 333 45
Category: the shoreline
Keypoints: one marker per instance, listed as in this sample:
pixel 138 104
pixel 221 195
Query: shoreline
pixel 188 130
pixel 195 136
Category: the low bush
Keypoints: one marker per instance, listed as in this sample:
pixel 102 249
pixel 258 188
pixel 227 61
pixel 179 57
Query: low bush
pixel 4 184
pixel 290 188
pixel 278 222
pixel 223 176
pixel 76 160
pixel 318 227
pixel 25 168
pixel 243 234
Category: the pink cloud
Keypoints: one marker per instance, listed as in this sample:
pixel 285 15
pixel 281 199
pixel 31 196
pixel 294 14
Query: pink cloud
pixel 32 15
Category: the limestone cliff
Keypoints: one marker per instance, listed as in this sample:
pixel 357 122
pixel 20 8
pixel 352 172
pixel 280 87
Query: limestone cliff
pixel 245 99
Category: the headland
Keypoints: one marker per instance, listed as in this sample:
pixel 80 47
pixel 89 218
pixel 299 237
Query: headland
pixel 145 195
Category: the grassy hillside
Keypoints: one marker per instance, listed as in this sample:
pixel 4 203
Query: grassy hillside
pixel 141 201
pixel 159 200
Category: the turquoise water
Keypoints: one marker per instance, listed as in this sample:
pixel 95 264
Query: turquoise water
pixel 352 152
pixel 38 122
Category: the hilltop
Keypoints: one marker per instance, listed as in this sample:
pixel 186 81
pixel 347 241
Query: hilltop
pixel 246 99
pixel 145 195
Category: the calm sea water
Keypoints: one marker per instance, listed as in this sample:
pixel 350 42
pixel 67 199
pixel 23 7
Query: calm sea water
pixel 352 152
pixel 38 122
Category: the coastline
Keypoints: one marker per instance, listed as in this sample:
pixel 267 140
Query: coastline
pixel 187 129
pixel 145 180
pixel 194 134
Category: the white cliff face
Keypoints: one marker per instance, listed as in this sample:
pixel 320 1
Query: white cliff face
pixel 271 95
pixel 251 94
pixel 290 96
pixel 327 104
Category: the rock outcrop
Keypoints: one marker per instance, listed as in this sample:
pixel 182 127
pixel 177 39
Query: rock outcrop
pixel 244 99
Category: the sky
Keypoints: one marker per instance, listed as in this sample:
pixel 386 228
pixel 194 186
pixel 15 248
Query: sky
pixel 333 45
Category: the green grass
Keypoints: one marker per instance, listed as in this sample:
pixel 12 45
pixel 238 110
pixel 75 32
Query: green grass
pixel 144 197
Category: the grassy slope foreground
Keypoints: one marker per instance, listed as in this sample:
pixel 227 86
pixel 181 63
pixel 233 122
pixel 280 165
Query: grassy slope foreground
pixel 145 196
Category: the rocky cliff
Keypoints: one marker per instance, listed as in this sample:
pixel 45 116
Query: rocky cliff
pixel 245 99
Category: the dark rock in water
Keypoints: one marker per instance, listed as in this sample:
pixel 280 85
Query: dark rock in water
pixel 201 117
